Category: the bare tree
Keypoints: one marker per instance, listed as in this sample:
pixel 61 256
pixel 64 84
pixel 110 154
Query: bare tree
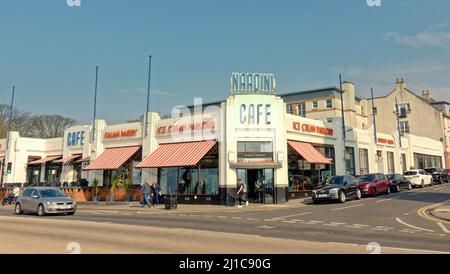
pixel 49 126
pixel 20 121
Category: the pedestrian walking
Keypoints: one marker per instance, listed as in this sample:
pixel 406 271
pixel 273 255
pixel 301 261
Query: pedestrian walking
pixel 145 190
pixel 156 192
pixel 16 192
pixel 240 193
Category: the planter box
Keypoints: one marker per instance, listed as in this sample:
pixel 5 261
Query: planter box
pixel 110 198
pixel 96 198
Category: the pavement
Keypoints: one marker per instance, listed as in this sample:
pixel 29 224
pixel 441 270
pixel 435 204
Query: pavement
pixel 395 223
pixel 135 206
pixel 441 212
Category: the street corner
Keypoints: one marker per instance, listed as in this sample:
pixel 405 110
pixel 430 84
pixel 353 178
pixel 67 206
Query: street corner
pixel 439 212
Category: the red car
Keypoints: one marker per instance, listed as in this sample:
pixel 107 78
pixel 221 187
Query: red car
pixel 374 184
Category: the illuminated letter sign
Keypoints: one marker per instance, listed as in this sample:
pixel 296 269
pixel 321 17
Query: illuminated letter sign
pixel 253 83
pixel 75 138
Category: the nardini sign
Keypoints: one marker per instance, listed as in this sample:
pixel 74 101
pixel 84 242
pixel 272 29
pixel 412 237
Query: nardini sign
pixel 253 83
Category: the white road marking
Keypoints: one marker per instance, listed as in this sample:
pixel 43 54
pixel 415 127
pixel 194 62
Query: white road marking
pixel 415 227
pixel 290 222
pixel 433 234
pixel 270 220
pixel 415 193
pixel 338 223
pixel 384 227
pixel 237 218
pixel 220 217
pixel 317 222
pixel 407 231
pixel 252 219
pixel 331 225
pixel 299 214
pixel 208 216
pixel 266 227
pixel 384 200
pixel 443 228
pixel 347 207
pixel 350 226
pixel 360 225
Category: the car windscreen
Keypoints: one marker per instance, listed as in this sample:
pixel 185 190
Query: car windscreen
pixel 50 193
pixel 410 173
pixel 391 176
pixel 365 178
pixel 430 170
pixel 335 181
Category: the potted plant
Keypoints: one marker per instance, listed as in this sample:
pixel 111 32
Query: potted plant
pixel 96 190
pixel 127 186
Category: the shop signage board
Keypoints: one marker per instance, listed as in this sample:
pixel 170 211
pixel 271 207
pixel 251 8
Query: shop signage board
pixel 311 129
pixel 385 141
pixel 242 82
pixel 115 134
pixel 75 138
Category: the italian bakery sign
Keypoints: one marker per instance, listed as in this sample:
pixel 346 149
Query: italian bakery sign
pixel 253 83
pixel 117 134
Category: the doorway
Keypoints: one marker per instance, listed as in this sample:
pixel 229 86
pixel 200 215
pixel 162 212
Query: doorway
pixel 258 185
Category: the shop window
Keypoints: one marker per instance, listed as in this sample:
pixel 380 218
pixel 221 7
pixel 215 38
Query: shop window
pixel 403 110
pixel 422 161
pixel 289 109
pixel 329 103
pixel 301 109
pixel 390 162
pixel 304 176
pixel 404 127
pixel 349 161
pixel 404 167
pixel 189 181
pixel 363 161
pixel 255 150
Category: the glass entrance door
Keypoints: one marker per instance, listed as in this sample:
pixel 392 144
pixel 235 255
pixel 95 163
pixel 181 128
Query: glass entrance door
pixel 258 185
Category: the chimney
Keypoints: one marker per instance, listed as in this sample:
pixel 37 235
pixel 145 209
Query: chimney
pixel 400 83
pixel 426 94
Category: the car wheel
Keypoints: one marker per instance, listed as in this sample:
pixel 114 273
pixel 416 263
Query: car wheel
pixel 342 197
pixel 441 182
pixel 397 189
pixel 431 182
pixel 18 209
pixel 422 185
pixel 358 194
pixel 41 210
pixel 410 186
pixel 388 190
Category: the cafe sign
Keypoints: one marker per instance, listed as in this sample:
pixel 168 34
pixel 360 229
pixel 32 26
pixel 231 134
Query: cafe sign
pixel 252 83
pixel 386 141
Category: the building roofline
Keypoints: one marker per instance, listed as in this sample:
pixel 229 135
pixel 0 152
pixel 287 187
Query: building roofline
pixel 309 91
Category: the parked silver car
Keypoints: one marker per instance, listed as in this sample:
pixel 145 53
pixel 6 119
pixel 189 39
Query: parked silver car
pixel 45 200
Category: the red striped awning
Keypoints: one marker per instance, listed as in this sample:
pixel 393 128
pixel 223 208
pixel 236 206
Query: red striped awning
pixel 309 153
pixel 113 158
pixel 178 154
pixel 69 159
pixel 45 160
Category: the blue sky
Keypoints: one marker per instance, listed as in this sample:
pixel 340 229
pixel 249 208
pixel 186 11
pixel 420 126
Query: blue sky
pixel 49 50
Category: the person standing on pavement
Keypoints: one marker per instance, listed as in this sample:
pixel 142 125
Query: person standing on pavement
pixel 240 193
pixel 16 192
pixel 145 189
pixel 155 192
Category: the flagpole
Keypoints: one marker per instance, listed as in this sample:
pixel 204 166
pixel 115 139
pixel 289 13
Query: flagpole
pixel 95 104
pixel 148 94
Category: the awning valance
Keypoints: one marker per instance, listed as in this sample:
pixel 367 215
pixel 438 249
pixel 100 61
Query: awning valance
pixel 44 160
pixel 84 160
pixel 113 158
pixel 309 153
pixel 69 159
pixel 178 154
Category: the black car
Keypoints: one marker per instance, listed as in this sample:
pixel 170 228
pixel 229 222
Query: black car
pixel 398 182
pixel 439 175
pixel 337 188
